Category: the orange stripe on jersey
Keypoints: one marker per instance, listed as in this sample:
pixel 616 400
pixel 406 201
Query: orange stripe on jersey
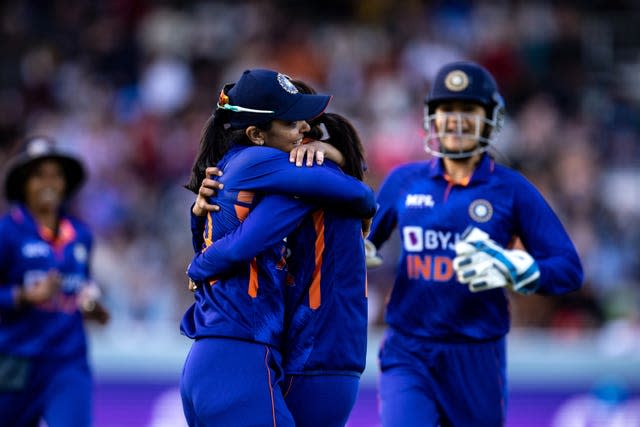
pixel 241 212
pixel 208 238
pixel 245 196
pixel 463 182
pixel 253 279
pixel 66 234
pixel 314 290
pixel 273 405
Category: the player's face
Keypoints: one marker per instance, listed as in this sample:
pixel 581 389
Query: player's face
pixel 45 185
pixel 459 124
pixel 285 136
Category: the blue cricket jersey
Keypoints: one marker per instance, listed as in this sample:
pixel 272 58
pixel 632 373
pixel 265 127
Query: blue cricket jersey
pixel 431 213
pixel 248 301
pixel 27 252
pixel 326 326
pixel 326 296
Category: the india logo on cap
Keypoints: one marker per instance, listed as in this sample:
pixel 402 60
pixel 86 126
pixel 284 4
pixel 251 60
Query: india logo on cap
pixel 456 81
pixel 286 84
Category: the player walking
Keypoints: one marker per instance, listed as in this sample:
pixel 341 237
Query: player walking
pixel 443 359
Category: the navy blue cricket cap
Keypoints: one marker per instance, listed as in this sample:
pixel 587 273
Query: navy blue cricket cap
pixel 263 95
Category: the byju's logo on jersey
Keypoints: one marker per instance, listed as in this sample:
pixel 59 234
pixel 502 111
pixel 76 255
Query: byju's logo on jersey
pixel 480 210
pixel 419 201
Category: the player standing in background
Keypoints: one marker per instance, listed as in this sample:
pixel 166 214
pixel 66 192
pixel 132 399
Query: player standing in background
pixel 443 359
pixel 237 320
pixel 325 341
pixel 45 292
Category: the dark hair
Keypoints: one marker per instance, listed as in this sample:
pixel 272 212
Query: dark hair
pixel 215 140
pixel 342 135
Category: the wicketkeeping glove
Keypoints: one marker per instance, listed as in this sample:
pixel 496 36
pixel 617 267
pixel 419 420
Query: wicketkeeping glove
pixel 480 262
pixel 371 254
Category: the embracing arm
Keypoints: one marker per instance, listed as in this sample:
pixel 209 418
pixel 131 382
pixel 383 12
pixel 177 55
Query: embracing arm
pixel 273 218
pixel 269 170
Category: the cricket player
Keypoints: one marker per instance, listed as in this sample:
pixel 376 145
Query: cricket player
pixel 324 344
pixel 443 358
pixel 46 292
pixel 237 319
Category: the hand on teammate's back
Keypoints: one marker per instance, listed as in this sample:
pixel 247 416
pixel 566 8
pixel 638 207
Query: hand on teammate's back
pixel 208 188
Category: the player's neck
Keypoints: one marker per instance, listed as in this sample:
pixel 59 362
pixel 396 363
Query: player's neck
pixel 459 170
pixel 46 217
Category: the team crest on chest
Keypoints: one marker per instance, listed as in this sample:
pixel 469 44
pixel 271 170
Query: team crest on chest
pixel 80 253
pixel 480 210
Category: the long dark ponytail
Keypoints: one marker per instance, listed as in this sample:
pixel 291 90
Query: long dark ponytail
pixel 345 138
pixel 342 135
pixel 215 141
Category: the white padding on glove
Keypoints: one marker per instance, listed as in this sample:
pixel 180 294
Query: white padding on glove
pixel 480 261
pixel 476 269
pixel 371 254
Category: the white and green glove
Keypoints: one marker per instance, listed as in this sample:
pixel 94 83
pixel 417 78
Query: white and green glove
pixel 482 264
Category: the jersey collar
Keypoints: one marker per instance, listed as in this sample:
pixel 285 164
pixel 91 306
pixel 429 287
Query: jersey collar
pixel 482 172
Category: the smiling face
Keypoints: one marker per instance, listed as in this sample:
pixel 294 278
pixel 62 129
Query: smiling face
pixel 45 185
pixel 459 125
pixel 285 136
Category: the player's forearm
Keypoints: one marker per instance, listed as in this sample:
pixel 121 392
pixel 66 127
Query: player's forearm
pixel 325 185
pixel 210 264
pixel 333 154
pixel 267 225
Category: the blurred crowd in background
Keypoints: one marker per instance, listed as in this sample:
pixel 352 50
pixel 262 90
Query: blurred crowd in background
pixel 128 85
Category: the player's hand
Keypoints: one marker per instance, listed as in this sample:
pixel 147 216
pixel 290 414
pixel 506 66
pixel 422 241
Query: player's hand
pixel 371 255
pixel 307 154
pixel 208 188
pixel 42 290
pixel 97 312
pixel 315 151
pixel 88 300
pixel 191 285
pixel 483 264
pixel 475 268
